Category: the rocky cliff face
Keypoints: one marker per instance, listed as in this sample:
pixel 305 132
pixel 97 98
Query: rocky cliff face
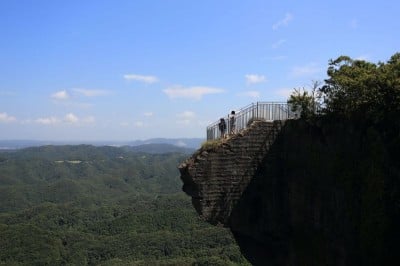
pixel 300 194
pixel 216 177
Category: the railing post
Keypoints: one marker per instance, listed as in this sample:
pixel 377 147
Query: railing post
pixel 257 111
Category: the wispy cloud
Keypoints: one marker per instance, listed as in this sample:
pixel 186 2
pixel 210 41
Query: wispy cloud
pixel 141 78
pixel 47 120
pixel 90 92
pixel 148 114
pixel 180 143
pixel 278 43
pixel 71 118
pixel 283 22
pixel 185 117
pixel 195 93
pixel 68 119
pixel 364 57
pixel 254 78
pixel 6 118
pixel 306 70
pixel 139 124
pixel 251 94
pixel 60 95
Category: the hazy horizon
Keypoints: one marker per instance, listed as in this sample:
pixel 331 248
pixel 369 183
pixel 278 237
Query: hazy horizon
pixel 192 143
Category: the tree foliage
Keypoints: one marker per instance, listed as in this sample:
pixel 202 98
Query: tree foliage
pixel 356 89
pixel 360 88
pixel 305 103
pixel 85 205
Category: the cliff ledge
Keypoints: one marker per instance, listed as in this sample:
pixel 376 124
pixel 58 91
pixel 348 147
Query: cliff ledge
pixel 300 194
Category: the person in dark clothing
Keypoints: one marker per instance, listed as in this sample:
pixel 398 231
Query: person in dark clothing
pixel 222 127
pixel 232 121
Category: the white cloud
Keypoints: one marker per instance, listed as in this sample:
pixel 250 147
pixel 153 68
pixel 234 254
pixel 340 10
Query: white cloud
pixel 141 78
pixel 185 117
pixel 148 114
pixel 278 43
pixel 139 124
pixel 195 93
pixel 283 22
pixel 180 143
pixel 71 118
pixel 5 118
pixel 363 57
pixel 254 78
pixel 60 95
pixel 91 93
pixel 306 70
pixel 251 94
pixel 48 120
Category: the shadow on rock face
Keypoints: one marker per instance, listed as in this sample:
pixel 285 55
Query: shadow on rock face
pixel 259 219
pixel 289 215
pixel 310 196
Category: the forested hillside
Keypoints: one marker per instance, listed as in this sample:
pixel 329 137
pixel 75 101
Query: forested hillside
pixel 86 205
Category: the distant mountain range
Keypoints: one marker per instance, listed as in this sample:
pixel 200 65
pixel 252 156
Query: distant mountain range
pixel 194 143
pixel 187 144
pixel 159 148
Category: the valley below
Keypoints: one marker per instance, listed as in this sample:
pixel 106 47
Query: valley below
pixel 86 205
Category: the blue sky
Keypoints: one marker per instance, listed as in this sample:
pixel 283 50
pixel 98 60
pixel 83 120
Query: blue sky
pixel 126 70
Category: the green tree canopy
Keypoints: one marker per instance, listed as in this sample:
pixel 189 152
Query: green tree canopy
pixel 360 88
pixel 356 89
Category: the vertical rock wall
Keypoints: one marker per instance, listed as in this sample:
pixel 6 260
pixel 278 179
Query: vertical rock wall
pixel 325 193
pixel 216 176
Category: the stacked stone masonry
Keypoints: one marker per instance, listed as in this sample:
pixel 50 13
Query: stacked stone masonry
pixel 216 177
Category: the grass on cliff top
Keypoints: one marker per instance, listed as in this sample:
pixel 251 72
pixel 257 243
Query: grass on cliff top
pixel 211 145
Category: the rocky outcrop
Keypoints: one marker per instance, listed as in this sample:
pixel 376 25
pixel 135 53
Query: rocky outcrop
pixel 301 194
pixel 215 177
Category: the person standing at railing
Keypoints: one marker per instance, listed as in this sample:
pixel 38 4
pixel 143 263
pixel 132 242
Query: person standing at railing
pixel 222 127
pixel 232 121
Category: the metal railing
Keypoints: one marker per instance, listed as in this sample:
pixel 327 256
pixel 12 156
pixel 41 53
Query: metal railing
pixel 268 111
